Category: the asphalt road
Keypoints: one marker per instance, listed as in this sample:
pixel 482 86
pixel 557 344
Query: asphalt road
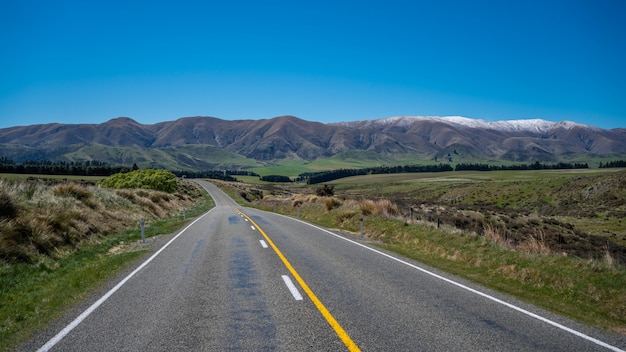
pixel 240 279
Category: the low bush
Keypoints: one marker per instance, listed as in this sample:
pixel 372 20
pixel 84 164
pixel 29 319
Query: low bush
pixel 325 191
pixel 160 180
pixel 251 194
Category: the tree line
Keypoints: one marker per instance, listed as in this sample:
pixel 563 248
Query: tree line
pixel 77 168
pixel 611 164
pixel 224 175
pixel 325 176
pixel 275 178
pixel 100 168
pixel 534 166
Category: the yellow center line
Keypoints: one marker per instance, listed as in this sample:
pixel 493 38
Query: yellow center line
pixel 343 335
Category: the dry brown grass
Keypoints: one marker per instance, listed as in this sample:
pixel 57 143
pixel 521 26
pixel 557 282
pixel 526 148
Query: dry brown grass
pixel 535 245
pixel 368 207
pixel 332 203
pixel 73 190
pixel 346 215
pixel 41 220
pixel 497 236
pixel 382 207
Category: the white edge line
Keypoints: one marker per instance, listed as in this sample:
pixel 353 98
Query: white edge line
pixel 514 307
pixel 66 330
pixel 292 288
pixel 263 244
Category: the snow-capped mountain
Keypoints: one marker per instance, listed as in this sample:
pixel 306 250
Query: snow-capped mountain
pixel 527 125
pixel 187 141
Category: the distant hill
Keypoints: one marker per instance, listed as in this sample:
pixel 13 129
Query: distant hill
pixel 208 142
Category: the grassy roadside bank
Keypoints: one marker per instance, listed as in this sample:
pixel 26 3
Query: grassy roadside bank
pixel 34 292
pixel 591 290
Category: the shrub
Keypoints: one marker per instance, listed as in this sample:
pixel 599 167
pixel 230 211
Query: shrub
pixel 251 195
pixel 325 191
pixel 160 180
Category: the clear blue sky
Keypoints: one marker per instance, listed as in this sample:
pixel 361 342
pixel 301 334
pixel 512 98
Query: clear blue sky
pixel 328 61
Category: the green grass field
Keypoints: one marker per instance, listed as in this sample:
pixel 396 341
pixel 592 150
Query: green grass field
pixel 478 176
pixel 346 160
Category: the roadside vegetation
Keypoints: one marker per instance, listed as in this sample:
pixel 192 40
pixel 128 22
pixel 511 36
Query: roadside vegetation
pixel 552 238
pixel 60 240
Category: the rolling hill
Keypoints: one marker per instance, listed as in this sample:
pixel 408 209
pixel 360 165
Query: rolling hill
pixel 200 143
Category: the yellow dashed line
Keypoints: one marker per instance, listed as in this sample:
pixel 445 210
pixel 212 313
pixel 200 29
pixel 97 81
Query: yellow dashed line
pixel 343 335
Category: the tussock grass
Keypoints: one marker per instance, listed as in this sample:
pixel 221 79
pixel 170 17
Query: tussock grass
pixel 73 190
pixel 346 215
pixel 59 242
pixel 332 203
pixel 370 207
pixel 590 290
pixel 535 245
pixel 497 236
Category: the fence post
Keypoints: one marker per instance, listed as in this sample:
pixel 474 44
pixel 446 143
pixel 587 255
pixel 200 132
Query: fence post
pixel 362 221
pixel 142 222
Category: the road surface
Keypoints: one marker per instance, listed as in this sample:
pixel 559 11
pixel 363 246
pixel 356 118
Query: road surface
pixel 240 279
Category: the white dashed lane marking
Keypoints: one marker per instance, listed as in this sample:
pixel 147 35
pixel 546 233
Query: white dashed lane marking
pixel 292 288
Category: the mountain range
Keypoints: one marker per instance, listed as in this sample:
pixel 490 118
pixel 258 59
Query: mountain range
pixel 207 142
